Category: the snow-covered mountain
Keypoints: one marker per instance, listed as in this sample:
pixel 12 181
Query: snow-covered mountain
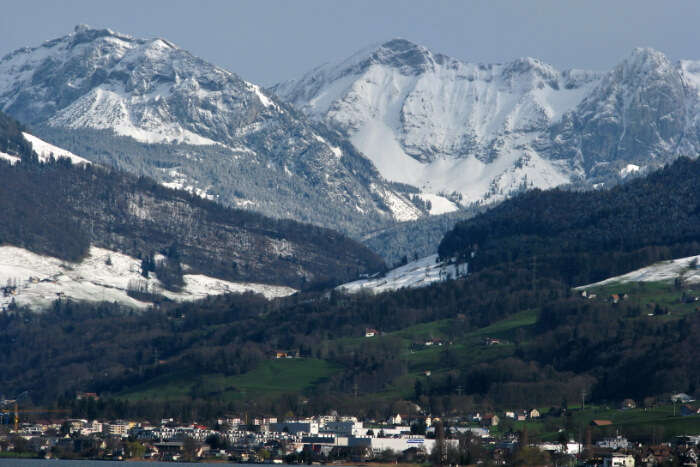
pixel 153 108
pixel 483 132
pixel 645 112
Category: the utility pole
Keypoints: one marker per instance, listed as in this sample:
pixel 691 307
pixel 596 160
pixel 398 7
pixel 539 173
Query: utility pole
pixel 583 399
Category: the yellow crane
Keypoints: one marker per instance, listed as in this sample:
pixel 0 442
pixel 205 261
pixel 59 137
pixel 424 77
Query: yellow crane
pixel 17 412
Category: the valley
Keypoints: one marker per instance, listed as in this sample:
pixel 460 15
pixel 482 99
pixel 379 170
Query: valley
pixel 399 256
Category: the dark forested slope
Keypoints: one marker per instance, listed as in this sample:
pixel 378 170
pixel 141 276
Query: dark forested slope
pixel 582 237
pixel 59 209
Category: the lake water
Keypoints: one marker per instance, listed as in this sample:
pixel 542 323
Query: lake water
pixel 88 463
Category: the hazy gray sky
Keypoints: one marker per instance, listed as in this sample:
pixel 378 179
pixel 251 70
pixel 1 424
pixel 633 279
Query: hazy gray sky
pixel 266 41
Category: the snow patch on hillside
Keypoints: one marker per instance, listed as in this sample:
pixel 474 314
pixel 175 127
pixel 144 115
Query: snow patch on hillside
pixel 45 150
pixel 179 182
pixel 438 204
pixel 400 208
pixel 628 170
pixel 663 271
pixel 9 157
pixel 334 149
pixel 103 275
pixel 264 100
pixel 420 273
pixel 109 109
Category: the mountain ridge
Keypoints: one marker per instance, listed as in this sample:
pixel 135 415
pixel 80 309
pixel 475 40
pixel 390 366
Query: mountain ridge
pixel 484 132
pixel 149 107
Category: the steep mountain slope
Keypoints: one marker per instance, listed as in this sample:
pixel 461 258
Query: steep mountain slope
pixel 61 210
pixel 485 132
pixel 441 124
pixel 414 239
pixel 152 108
pixel 645 112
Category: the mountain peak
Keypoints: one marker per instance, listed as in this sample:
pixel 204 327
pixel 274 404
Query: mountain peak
pixel 405 55
pixel 646 59
pixel 525 65
pixel 646 53
pixel 81 28
pixel 400 44
pixel 83 33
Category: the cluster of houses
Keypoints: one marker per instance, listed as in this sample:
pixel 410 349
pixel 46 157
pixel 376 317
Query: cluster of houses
pixel 245 440
pixel 325 437
pixel 613 298
pixel 322 437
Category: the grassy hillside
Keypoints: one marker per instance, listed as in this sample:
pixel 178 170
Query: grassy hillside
pixel 271 378
pixel 650 424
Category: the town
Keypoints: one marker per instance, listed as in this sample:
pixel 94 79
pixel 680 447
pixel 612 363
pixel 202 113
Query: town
pixel 491 438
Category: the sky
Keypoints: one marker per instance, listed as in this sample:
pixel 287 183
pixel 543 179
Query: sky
pixel 268 41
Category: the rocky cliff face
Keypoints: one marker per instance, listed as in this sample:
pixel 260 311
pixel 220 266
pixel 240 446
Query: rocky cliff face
pixel 150 107
pixel 485 131
pixel 644 112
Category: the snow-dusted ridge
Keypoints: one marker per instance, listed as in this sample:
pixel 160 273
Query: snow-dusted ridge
pixel 419 273
pixel 663 271
pixel 441 124
pixel 46 150
pixel 487 131
pixel 36 281
pixel 95 90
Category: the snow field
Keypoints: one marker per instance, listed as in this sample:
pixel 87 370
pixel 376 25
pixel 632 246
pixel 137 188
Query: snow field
pixel 419 273
pixel 663 271
pixel 103 276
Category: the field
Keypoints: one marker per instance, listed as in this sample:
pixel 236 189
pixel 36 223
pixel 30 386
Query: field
pixel 297 375
pixel 640 423
pixel 272 378
pixel 647 295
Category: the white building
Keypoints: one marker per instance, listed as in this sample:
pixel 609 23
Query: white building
pixel 682 397
pixel 618 442
pixel 392 431
pixel 343 428
pixel 618 460
pixel 118 428
pixel 572 447
pixel 406 442
pixel 91 428
pixel 307 427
